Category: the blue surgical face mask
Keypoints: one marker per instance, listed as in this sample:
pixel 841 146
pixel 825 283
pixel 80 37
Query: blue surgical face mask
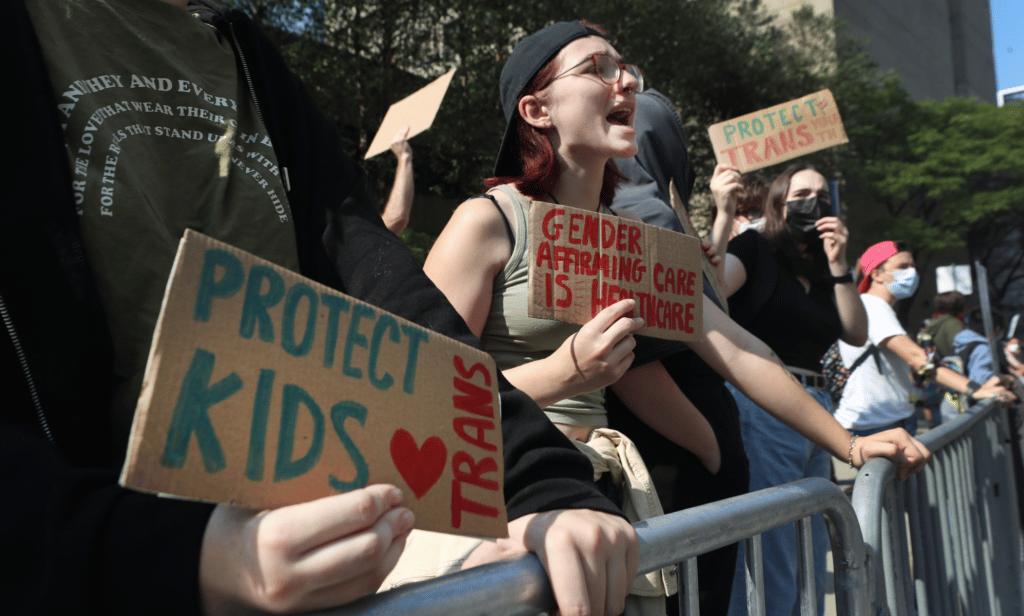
pixel 904 283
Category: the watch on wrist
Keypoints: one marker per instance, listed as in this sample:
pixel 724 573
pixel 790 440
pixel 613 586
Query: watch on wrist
pixel 972 386
pixel 847 277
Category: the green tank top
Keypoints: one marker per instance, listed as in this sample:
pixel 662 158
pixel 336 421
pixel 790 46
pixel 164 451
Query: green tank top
pixel 514 339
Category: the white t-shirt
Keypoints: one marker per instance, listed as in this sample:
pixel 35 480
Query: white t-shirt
pixel 871 399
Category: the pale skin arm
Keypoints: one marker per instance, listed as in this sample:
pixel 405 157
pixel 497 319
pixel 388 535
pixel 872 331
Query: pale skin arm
pixel 916 358
pixel 399 206
pixel 726 186
pixel 755 370
pixel 834 234
pixel 311 556
pixel 650 393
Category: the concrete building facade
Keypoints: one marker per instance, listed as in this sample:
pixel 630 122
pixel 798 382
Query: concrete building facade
pixel 941 47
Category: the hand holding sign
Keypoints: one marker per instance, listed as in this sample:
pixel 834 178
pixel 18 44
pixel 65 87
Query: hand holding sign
pixel 315 555
pixel 600 353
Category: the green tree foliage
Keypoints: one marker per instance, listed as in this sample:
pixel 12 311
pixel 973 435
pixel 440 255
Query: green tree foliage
pixel 922 172
pixel 962 161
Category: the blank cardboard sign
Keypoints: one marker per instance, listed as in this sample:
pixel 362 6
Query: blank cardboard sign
pixel 264 389
pixel 779 133
pixel 582 262
pixel 418 110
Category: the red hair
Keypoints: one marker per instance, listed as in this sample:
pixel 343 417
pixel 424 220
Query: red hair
pixel 540 170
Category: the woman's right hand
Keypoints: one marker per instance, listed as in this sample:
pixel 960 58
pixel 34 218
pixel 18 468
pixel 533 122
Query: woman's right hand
pixel 314 555
pixel 994 388
pixel 726 186
pixel 601 351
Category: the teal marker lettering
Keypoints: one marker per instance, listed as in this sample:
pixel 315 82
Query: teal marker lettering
pixel 209 287
pixel 355 339
pixel 254 310
pixel 386 323
pixel 416 336
pixel 728 129
pixel 285 468
pixel 191 414
pixel 335 306
pixel 291 305
pixel 258 431
pixel 339 413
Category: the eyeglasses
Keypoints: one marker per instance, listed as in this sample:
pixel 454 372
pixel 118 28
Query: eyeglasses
pixel 609 70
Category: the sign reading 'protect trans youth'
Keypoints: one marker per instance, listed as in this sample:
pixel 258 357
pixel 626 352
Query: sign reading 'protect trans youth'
pixel 780 133
pixel 264 389
pixel 582 262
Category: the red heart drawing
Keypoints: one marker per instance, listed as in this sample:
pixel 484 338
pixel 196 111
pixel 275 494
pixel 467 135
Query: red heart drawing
pixel 421 467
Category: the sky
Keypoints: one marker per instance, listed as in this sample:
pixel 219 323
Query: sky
pixel 1008 42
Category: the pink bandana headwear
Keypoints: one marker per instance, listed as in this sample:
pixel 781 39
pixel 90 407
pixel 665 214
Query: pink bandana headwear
pixel 872 258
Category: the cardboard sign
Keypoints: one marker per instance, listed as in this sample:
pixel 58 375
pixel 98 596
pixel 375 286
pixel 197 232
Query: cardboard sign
pixel 709 270
pixel 265 389
pixel 418 110
pixel 779 133
pixel 582 262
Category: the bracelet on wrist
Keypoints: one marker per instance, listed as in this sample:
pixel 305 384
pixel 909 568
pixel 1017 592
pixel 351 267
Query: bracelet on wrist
pixel 849 456
pixel 847 277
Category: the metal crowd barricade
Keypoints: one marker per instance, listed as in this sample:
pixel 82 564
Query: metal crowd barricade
pixel 947 541
pixel 521 587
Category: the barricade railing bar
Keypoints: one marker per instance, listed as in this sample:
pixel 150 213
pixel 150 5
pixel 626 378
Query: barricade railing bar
pixel 963 551
pixel 520 586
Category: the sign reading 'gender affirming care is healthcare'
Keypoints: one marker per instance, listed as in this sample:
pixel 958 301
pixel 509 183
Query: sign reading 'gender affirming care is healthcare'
pixel 582 262
pixel 264 389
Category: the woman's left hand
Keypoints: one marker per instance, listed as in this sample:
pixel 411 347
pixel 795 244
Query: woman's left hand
pixel 834 234
pixel 906 452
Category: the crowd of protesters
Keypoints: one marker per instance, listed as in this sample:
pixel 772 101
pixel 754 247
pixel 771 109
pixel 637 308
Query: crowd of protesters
pixel 600 427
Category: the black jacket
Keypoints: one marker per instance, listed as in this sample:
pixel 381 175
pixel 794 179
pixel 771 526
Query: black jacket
pixel 76 542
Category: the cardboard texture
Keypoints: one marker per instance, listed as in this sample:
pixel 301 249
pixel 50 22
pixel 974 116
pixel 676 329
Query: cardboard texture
pixel 689 229
pixel 418 110
pixel 582 262
pixel 264 389
pixel 779 133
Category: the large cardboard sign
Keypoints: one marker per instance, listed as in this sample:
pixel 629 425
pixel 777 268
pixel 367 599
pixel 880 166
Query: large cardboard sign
pixel 779 133
pixel 582 262
pixel 418 110
pixel 265 389
pixel 709 270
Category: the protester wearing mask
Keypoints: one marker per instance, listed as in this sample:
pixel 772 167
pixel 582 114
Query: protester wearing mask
pixel 789 284
pixel 878 394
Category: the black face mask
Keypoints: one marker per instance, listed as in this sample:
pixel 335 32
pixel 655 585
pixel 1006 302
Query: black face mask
pixel 801 216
